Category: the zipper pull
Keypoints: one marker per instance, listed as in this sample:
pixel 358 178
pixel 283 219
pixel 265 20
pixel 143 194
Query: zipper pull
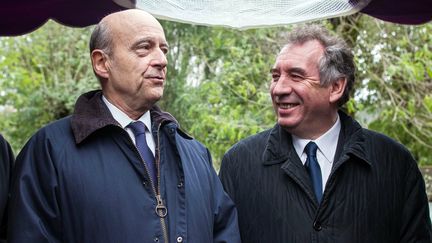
pixel 160 209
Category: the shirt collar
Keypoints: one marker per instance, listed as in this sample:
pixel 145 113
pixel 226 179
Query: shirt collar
pixel 326 142
pixel 124 119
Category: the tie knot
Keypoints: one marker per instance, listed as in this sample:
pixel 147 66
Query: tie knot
pixel 311 149
pixel 137 127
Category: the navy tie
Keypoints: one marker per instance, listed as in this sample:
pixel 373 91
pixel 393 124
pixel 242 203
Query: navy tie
pixel 314 169
pixel 139 129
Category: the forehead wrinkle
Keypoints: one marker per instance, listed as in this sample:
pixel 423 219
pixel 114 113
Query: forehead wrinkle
pixel 287 55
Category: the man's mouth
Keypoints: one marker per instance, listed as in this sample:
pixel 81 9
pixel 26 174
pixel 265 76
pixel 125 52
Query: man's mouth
pixel 286 105
pixel 155 77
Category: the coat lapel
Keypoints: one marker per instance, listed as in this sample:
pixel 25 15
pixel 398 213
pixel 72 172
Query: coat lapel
pixel 280 151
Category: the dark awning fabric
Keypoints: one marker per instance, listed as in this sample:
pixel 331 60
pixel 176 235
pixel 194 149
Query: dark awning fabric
pixel 410 12
pixel 18 17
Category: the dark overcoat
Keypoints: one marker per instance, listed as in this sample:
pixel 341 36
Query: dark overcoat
pixel 375 192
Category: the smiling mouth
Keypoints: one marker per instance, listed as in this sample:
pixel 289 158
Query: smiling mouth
pixel 286 105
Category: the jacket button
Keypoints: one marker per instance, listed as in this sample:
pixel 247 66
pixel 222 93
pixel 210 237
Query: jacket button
pixel 180 185
pixel 179 239
pixel 317 226
pixel 156 239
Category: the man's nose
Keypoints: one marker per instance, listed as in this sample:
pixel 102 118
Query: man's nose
pixel 159 59
pixel 283 86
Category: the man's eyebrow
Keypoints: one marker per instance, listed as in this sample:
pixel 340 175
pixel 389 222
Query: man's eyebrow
pixel 296 70
pixel 274 70
pixel 141 41
pixel 290 70
pixel 165 44
pixel 150 40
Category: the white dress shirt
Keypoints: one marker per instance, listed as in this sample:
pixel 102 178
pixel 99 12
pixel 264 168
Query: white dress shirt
pixel 125 120
pixel 327 144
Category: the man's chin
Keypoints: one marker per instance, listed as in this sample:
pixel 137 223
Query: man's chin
pixel 287 124
pixel 156 98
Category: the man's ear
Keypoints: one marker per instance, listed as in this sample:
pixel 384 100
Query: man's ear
pixel 100 63
pixel 337 89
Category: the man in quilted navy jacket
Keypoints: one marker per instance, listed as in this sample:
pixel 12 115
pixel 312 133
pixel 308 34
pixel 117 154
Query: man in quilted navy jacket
pixel 120 169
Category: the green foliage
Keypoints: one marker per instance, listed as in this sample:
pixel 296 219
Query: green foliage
pixel 395 67
pixel 41 75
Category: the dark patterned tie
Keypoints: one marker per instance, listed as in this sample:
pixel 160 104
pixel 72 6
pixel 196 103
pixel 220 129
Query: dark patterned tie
pixel 139 129
pixel 314 169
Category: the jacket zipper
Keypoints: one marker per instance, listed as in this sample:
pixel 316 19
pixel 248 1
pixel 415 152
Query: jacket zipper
pixel 160 209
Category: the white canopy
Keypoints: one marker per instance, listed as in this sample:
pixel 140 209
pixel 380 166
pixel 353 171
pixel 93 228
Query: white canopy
pixel 245 14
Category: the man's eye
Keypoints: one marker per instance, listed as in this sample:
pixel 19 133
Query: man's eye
pixel 143 47
pixel 164 50
pixel 296 77
pixel 142 50
pixel 275 77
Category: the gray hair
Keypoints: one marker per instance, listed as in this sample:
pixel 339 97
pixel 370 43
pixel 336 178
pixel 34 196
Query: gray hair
pixel 101 39
pixel 337 61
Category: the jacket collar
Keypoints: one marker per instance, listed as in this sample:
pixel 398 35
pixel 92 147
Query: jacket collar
pixel 352 140
pixel 279 144
pixel 91 114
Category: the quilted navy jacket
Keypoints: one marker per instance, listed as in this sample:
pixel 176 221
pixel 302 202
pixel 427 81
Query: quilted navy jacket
pixel 375 192
pixel 81 179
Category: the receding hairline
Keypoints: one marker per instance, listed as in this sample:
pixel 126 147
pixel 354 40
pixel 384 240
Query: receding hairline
pixel 116 24
pixel 129 15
